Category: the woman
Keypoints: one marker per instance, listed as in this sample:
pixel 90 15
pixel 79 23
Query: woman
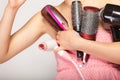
pixel 102 49
pixel 11 45
pixel 103 52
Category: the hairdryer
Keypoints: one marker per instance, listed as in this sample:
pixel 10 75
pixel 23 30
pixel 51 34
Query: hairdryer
pixel 111 14
pixel 115 30
pixel 54 17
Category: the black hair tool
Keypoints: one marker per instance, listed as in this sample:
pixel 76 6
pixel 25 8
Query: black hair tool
pixel 111 14
pixel 115 30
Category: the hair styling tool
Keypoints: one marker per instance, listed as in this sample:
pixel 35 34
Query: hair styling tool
pixel 115 30
pixel 76 15
pixel 76 20
pixel 89 26
pixel 50 45
pixel 90 22
pixel 111 14
pixel 54 17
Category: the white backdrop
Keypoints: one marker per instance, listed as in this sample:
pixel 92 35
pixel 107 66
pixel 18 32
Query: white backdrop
pixel 30 64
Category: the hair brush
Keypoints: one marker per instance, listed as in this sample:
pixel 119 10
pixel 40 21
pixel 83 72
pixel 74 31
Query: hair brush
pixel 54 17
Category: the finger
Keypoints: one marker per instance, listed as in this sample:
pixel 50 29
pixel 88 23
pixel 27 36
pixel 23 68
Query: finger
pixel 58 34
pixel 57 37
pixel 71 28
pixel 65 26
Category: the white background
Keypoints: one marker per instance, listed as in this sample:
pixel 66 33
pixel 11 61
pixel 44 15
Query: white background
pixel 30 64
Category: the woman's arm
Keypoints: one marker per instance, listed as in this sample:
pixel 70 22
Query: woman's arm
pixel 6 24
pixel 107 51
pixel 23 38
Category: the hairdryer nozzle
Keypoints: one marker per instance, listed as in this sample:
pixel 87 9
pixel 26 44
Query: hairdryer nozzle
pixel 111 14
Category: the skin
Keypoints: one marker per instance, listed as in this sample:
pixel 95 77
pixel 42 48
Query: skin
pixel 12 45
pixel 106 51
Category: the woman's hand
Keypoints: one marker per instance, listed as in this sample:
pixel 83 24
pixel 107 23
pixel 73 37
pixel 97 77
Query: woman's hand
pixel 15 3
pixel 68 39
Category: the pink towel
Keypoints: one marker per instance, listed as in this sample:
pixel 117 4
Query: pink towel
pixel 68 66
